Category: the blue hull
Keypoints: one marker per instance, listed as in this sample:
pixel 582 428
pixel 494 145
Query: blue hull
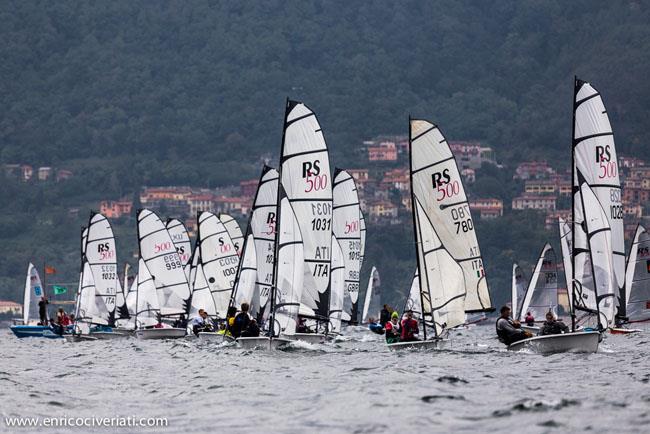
pixel 23 331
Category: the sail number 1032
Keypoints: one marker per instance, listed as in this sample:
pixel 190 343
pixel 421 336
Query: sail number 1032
pixel 462 219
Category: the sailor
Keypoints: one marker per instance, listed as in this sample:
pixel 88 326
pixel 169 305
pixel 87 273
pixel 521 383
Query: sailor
pixel 62 318
pixel 200 323
pixel 393 329
pixel 410 328
pixel 252 331
pixel 553 326
pixel 42 310
pixel 529 319
pixel 384 315
pixel 509 331
pixel 241 321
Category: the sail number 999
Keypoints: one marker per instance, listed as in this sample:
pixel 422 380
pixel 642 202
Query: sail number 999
pixel 462 218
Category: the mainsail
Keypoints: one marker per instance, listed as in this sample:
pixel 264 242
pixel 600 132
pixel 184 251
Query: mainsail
pixel 33 293
pixel 181 240
pixel 219 259
pixel 101 255
pixel 90 309
pixel 541 294
pixel 147 310
pixel 338 285
pixel 163 263
pixel 638 278
pixel 441 277
pixel 262 226
pixel 234 231
pixel 346 216
pixel 372 303
pixel 566 243
pixel 518 290
pixel 414 300
pixel 245 283
pixel 289 270
pixel 201 294
pixel 436 182
pixel 306 178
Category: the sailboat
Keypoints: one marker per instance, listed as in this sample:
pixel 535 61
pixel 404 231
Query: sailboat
pixel 518 290
pixel 636 300
pixel 306 178
pixel 451 276
pixel 181 239
pixel 346 226
pixel 33 292
pixel 372 299
pixel 541 295
pixel 161 260
pixel 288 275
pixel 598 259
pixel 91 310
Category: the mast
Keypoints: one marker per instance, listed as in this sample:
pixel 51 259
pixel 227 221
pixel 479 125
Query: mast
pixel 277 223
pixel 416 231
pixel 574 189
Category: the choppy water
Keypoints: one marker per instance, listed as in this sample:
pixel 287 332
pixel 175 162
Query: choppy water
pixel 353 385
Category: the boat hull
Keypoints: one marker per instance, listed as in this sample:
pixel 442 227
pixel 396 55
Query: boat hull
pixel 623 331
pixel 215 337
pixel 27 331
pixel 310 338
pixel 530 329
pixel 577 342
pixel 162 333
pixel 418 345
pixel 262 343
pixel 79 338
pixel 109 335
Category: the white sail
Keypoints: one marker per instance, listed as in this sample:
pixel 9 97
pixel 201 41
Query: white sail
pixel 219 259
pixel 162 261
pixel 372 302
pixel 33 293
pixel 338 286
pixel 181 239
pixel 289 272
pixel 346 225
pixel 234 231
pixel 600 249
pixel 596 161
pixel 541 293
pixel 306 178
pixel 91 309
pixel 247 275
pixel 518 290
pixel 442 280
pixel 262 225
pixel 637 296
pixel 131 297
pixel 436 182
pixel 147 310
pixel 566 243
pixel 201 294
pixel 414 300
pixel 101 254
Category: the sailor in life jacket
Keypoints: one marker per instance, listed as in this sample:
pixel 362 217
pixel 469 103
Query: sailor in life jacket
pixel 509 331
pixel 393 329
pixel 410 328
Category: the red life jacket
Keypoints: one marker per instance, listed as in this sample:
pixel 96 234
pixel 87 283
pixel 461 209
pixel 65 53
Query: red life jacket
pixel 409 327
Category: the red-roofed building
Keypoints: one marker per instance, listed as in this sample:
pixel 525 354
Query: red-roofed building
pixel 384 151
pixel 534 202
pixel 396 179
pixel 533 170
pixel 200 202
pixel 116 209
pixel 10 308
pixel 249 187
pixel 487 208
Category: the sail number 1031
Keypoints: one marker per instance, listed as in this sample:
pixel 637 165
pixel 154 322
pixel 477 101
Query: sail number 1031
pixel 462 219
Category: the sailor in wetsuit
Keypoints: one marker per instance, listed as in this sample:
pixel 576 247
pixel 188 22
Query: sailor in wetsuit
pixel 509 331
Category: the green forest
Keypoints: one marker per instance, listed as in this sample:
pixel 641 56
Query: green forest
pixel 134 93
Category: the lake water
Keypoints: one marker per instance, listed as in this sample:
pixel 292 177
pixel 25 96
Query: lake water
pixel 352 385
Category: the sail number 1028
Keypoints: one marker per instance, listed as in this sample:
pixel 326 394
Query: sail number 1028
pixel 462 218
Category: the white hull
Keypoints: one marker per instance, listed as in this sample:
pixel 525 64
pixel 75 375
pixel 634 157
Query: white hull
pixel 262 343
pixel 310 338
pixel 124 331
pixel 215 337
pixel 162 333
pixel 109 335
pixel 577 342
pixel 79 338
pixel 419 345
